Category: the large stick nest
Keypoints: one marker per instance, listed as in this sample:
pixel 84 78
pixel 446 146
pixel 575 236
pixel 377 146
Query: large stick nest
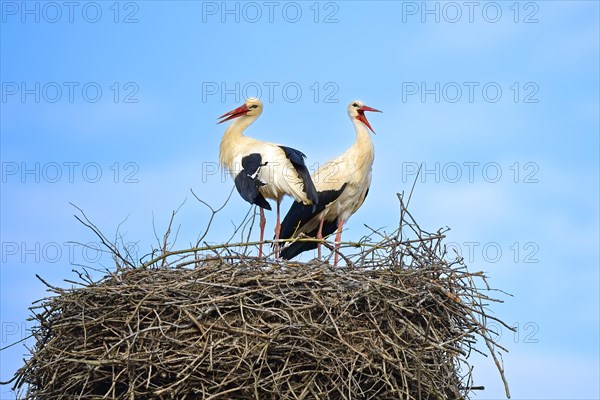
pixel 398 323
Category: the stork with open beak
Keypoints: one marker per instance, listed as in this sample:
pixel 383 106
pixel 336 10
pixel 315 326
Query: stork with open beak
pixel 342 184
pixel 263 170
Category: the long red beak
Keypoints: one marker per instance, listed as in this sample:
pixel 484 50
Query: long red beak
pixel 361 116
pixel 238 112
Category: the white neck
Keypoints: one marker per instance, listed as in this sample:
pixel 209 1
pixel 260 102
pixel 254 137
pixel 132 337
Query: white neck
pixel 239 125
pixel 231 138
pixel 363 137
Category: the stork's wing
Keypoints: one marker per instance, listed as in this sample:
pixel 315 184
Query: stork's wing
pixel 299 215
pixel 297 157
pixel 247 183
pixel 296 248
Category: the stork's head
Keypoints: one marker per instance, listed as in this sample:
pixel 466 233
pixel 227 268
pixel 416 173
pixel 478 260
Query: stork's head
pixel 356 110
pixel 252 107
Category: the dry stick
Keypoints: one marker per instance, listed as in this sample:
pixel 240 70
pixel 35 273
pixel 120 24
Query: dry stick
pixel 166 236
pixel 87 223
pixel 326 243
pixel 215 247
pixel 245 222
pixel 255 310
pixel 489 342
pixel 117 236
pixel 213 213
pixel 403 207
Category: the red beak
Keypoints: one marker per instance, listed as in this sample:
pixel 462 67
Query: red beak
pixel 361 116
pixel 238 112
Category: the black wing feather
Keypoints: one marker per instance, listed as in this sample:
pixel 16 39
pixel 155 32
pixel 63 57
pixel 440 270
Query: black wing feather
pixel 299 214
pixel 248 184
pixel 294 249
pixel 297 157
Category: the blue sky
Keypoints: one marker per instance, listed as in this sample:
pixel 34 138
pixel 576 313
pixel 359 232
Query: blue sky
pixel 112 107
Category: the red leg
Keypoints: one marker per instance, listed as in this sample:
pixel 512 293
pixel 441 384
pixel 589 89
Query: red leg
pixel 320 235
pixel 263 221
pixel 277 228
pixel 338 239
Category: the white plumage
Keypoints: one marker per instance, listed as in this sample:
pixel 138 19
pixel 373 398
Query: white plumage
pixel 342 184
pixel 263 170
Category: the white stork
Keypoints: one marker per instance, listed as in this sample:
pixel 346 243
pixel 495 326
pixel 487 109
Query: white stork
pixel 342 185
pixel 263 170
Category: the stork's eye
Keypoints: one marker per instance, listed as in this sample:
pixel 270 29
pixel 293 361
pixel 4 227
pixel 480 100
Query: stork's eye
pixel 354 105
pixel 254 106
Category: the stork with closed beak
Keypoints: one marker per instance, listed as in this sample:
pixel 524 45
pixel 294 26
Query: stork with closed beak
pixel 263 170
pixel 342 185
